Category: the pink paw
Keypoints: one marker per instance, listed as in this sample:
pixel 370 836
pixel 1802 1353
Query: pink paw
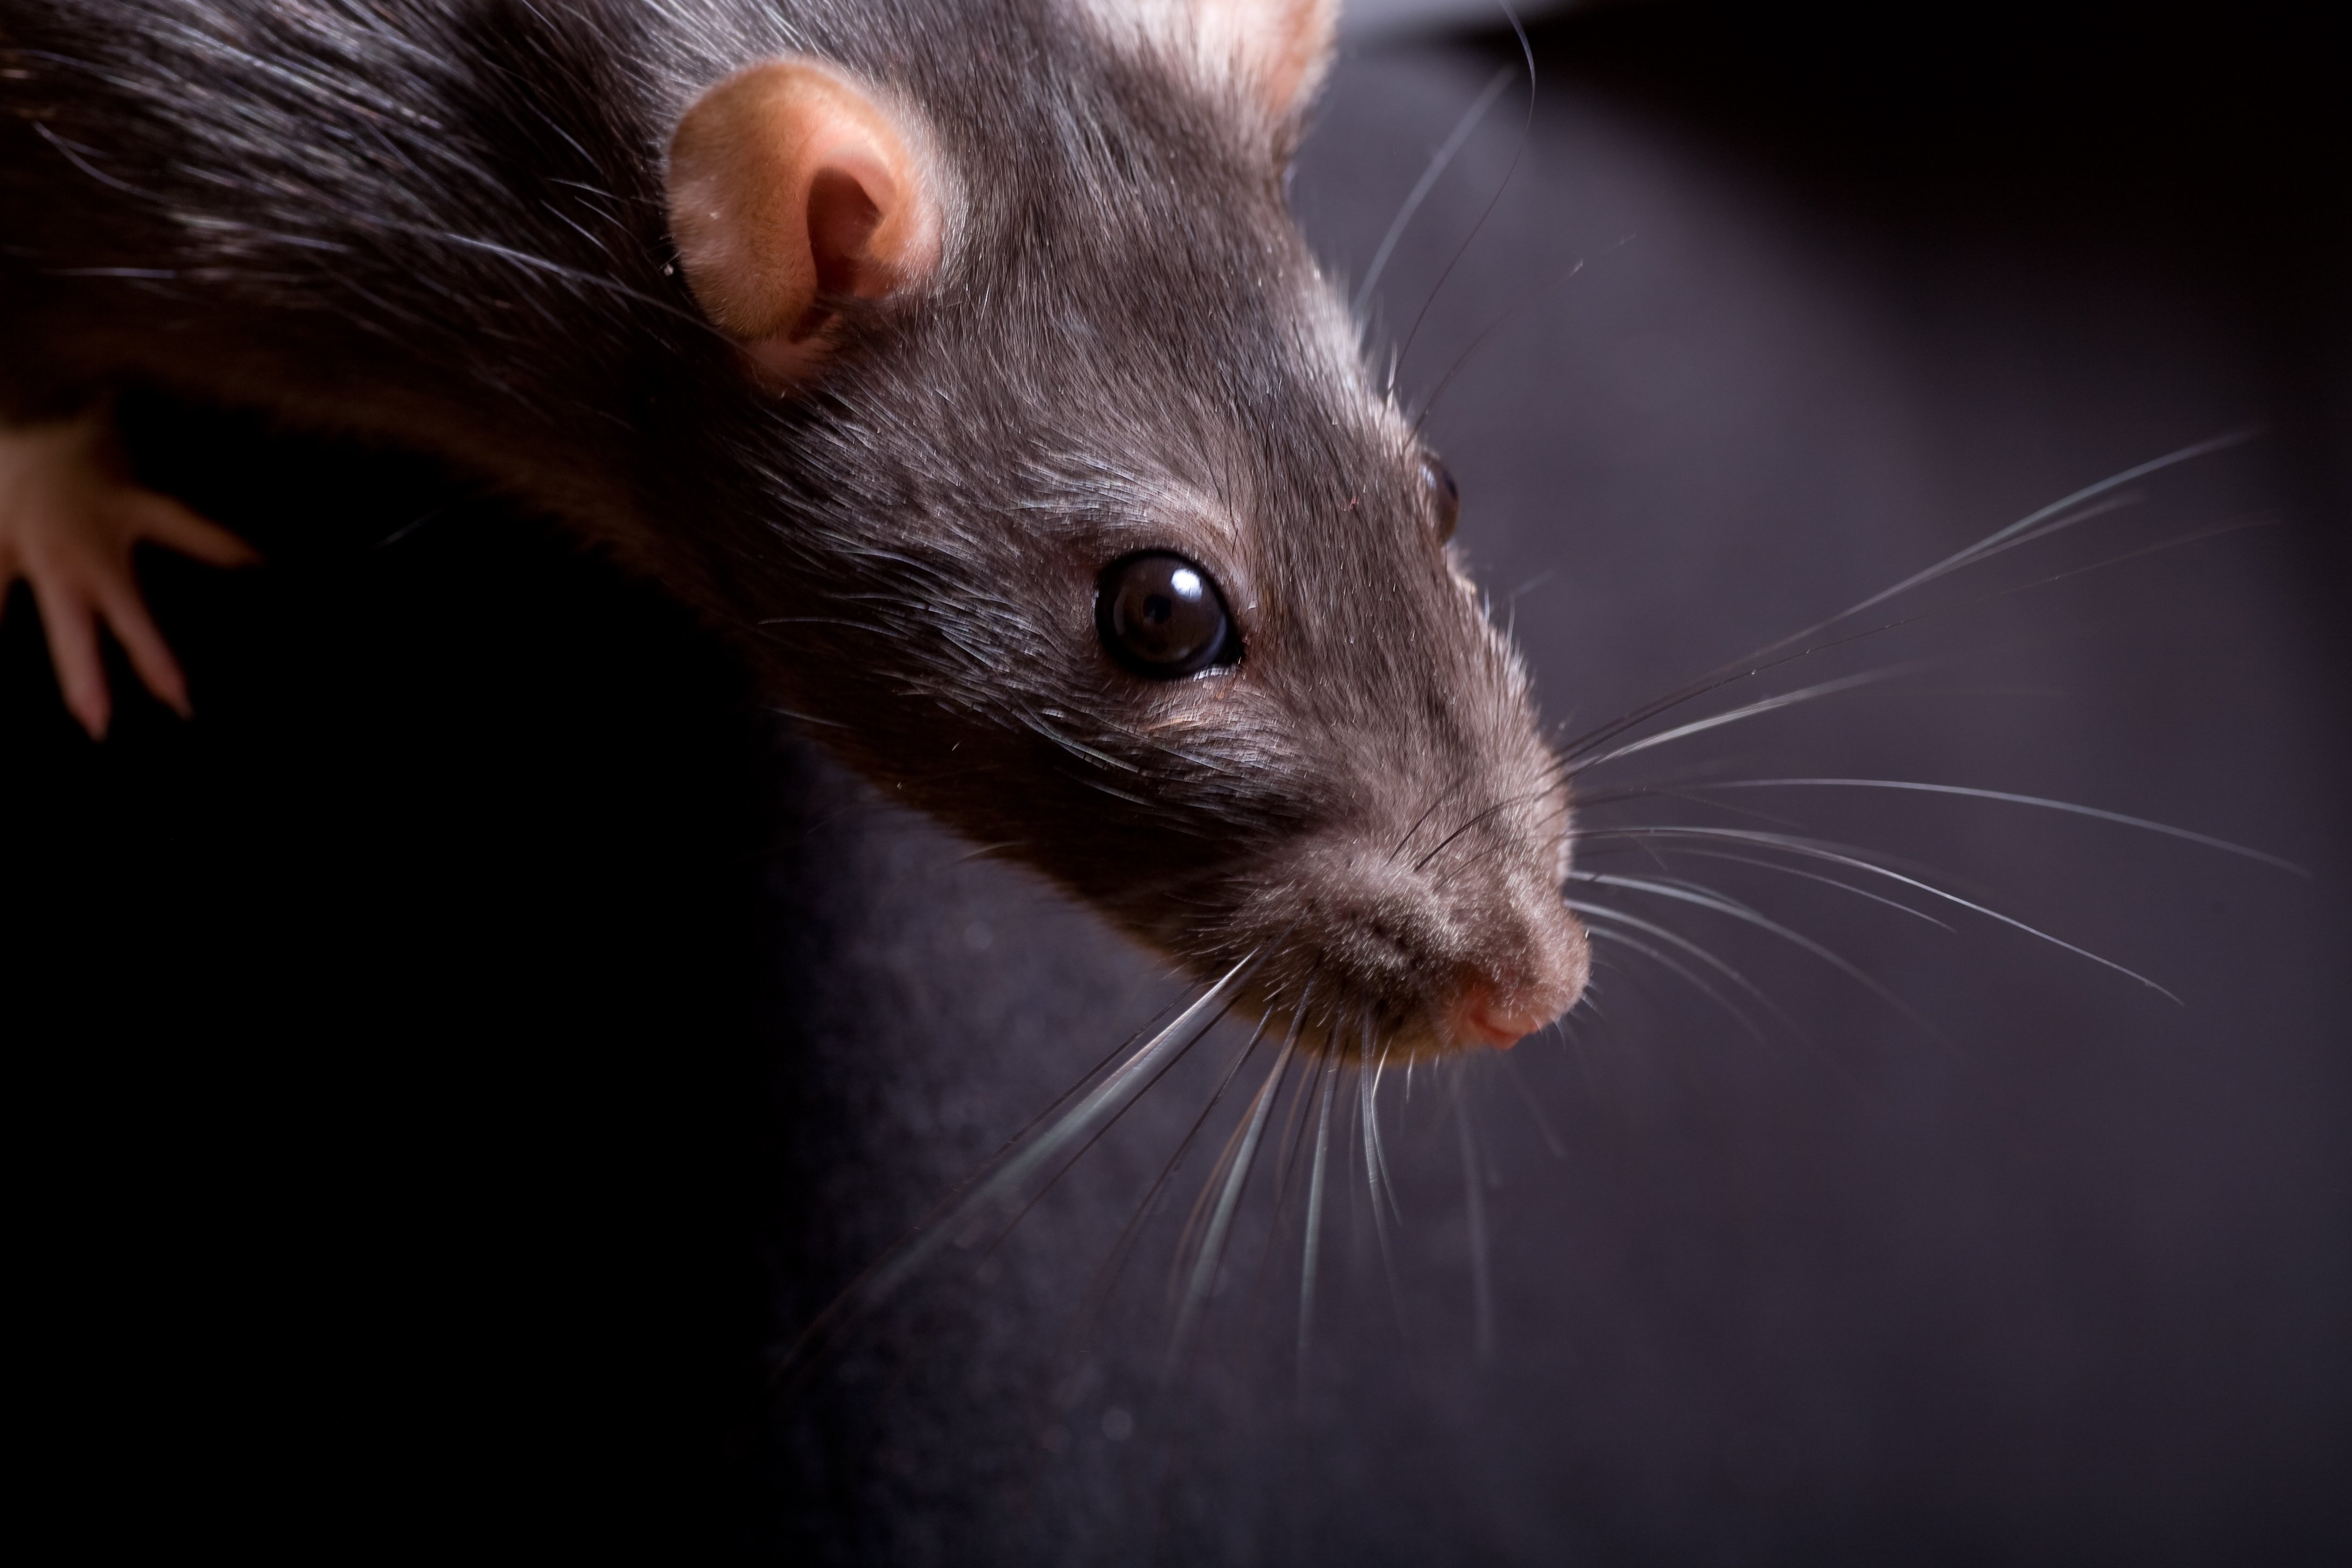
pixel 69 517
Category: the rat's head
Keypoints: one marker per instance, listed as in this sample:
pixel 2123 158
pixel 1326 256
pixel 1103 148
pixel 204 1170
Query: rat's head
pixel 1086 531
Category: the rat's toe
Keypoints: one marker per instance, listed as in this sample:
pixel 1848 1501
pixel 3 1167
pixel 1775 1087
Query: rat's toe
pixel 69 624
pixel 70 516
pixel 135 629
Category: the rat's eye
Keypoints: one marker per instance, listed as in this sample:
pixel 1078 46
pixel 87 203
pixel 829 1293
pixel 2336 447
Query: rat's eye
pixel 1444 495
pixel 1160 615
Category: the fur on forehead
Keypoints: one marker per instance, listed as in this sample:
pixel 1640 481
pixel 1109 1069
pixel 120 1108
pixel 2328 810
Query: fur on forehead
pixel 1269 53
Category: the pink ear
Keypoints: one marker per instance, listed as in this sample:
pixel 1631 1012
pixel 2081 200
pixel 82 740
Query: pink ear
pixel 1274 51
pixel 790 185
pixel 1285 45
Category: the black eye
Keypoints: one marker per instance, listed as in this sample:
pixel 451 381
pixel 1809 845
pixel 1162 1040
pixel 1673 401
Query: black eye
pixel 1162 616
pixel 1444 495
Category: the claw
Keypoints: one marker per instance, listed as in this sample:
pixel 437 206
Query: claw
pixel 70 517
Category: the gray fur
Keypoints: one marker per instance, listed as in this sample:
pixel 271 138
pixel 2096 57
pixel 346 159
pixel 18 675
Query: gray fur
pixel 441 224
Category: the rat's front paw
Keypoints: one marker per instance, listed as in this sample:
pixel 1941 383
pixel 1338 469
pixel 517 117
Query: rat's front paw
pixel 69 517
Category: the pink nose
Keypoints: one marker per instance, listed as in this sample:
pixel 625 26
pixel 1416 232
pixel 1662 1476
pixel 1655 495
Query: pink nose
pixel 1478 1020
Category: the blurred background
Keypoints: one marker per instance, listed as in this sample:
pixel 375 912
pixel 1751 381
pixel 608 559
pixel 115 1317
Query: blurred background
pixel 446 1072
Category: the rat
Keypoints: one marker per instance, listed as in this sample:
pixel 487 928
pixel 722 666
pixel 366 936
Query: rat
pixel 958 359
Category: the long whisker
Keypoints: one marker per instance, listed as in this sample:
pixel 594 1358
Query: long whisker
pixel 1290 1147
pixel 1535 1107
pixel 1528 55
pixel 1003 1177
pixel 1482 1281
pixel 1315 1218
pixel 1438 163
pixel 1679 793
pixel 1682 971
pixel 1373 1174
pixel 1487 335
pixel 1105 1276
pixel 1986 545
pixel 1768 705
pixel 1607 916
pixel 1746 665
pixel 2045 804
pixel 1807 847
pixel 1212 1256
pixel 1293 1132
pixel 1196 1222
pixel 1640 838
pixel 1374 1143
pixel 2113 503
pixel 1014 1218
pixel 1708 899
pixel 1817 877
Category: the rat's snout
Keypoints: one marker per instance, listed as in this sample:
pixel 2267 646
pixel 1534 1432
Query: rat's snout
pixel 1480 1020
pixel 1500 1005
pixel 1447 953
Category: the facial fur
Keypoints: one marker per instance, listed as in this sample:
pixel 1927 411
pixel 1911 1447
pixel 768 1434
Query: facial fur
pixel 1111 364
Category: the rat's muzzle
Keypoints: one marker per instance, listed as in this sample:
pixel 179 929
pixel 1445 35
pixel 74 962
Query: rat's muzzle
pixel 1416 957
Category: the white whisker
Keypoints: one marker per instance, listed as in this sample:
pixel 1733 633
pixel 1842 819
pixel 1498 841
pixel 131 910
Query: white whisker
pixel 1374 1175
pixel 2142 823
pixel 1775 865
pixel 1105 1276
pixel 1000 1181
pixel 1805 846
pixel 1373 1141
pixel 1527 1095
pixel 1769 704
pixel 1672 966
pixel 1197 1219
pixel 1651 928
pixel 1990 543
pixel 1313 1248
pixel 1751 664
pixel 1428 182
pixel 1482 1281
pixel 1212 1256
pixel 1708 898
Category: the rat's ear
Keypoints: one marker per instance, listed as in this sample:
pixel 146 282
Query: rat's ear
pixel 1275 51
pixel 1284 45
pixel 790 182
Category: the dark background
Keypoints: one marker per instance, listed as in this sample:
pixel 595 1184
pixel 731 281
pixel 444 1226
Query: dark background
pixel 440 1069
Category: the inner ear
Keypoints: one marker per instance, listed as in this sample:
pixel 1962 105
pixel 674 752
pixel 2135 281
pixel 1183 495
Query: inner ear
pixel 1290 45
pixel 842 217
pixel 792 187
